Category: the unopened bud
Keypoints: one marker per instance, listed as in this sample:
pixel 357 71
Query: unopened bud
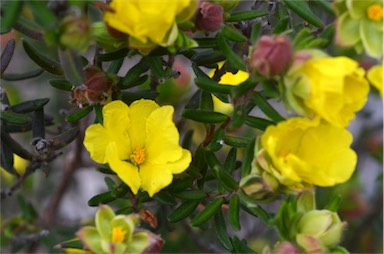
pixel 75 33
pixel 209 17
pixel 259 187
pixel 96 89
pixel 271 55
pixel 286 248
pixel 319 230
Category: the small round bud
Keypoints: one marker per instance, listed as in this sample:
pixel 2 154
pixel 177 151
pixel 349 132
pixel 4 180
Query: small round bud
pixel 75 33
pixel 271 55
pixel 209 17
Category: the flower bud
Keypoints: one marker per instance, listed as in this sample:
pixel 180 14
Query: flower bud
pixel 75 33
pixel 319 230
pixel 96 89
pixel 271 55
pixel 259 187
pixel 227 4
pixel 209 17
pixel 286 248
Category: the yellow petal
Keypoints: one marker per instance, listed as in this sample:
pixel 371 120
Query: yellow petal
pixel 139 113
pixel 127 172
pixel 162 141
pixel 116 121
pixel 96 141
pixel 154 177
pixel 181 164
pixel 375 77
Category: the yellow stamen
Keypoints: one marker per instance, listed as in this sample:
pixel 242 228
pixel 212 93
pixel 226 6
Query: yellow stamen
pixel 138 156
pixel 375 12
pixel 118 234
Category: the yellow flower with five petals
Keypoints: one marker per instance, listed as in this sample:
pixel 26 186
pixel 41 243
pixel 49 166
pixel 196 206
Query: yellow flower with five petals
pixel 140 143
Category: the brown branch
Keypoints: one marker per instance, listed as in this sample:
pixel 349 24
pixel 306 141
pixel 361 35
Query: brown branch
pixel 54 204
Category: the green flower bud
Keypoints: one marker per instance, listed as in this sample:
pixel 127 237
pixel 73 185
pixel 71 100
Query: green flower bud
pixel 259 187
pixel 75 33
pixel 319 230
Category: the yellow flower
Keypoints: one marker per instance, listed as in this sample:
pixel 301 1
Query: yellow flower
pixel 228 79
pixel 375 76
pixel 300 150
pixel 149 22
pixel 332 87
pixel 19 165
pixel 140 143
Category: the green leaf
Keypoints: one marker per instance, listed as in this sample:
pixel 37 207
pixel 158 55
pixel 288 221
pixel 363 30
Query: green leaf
pixel 241 246
pixel 238 116
pixel 236 141
pixel 233 35
pixel 244 87
pixel 266 108
pixel 206 42
pixel 76 116
pixel 234 59
pixel 208 212
pixel 199 73
pixel 43 16
pixel 72 65
pixel 204 116
pixel 135 72
pixel 42 60
pixel 12 145
pixel 64 138
pixel 9 14
pixel 234 210
pixel 22 76
pixel 142 94
pixel 207 58
pixel 29 106
pixel 339 250
pixel 183 211
pixel 217 141
pixel 10 117
pixel 103 198
pixel 61 84
pixel 230 161
pixel 165 198
pixel 258 123
pixel 7 158
pixel 187 140
pixel 106 170
pixel 206 101
pixel 7 55
pixel 302 9
pixel 108 57
pixel 110 183
pixel 258 211
pixel 190 194
pixel 179 184
pixel 249 154
pixel 156 67
pixel 282 25
pixel 245 15
pixel 221 230
pixel 334 204
pixel 211 86
pixel 255 32
pixel 223 176
pixel 115 66
pixel 326 6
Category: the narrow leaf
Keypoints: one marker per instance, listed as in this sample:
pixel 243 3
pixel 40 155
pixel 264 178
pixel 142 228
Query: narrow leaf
pixel 76 116
pixel 191 194
pixel 22 76
pixel 245 15
pixel 258 123
pixel 10 13
pixel 29 106
pixel 42 60
pixel 248 158
pixel 208 212
pixel 301 9
pixel 234 209
pixel 7 54
pixel 14 118
pixel 61 84
pixel 183 211
pixel 233 35
pixel 231 56
pixel 212 86
pixel 221 230
pixel 204 116
pixel 266 108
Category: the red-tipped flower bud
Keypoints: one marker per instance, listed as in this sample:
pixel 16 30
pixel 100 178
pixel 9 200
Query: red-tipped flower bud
pixel 271 55
pixel 75 33
pixel 209 17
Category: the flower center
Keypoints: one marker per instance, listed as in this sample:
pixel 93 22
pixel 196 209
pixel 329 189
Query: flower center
pixel 375 12
pixel 118 234
pixel 138 156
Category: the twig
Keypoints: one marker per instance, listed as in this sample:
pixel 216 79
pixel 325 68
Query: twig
pixel 72 165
